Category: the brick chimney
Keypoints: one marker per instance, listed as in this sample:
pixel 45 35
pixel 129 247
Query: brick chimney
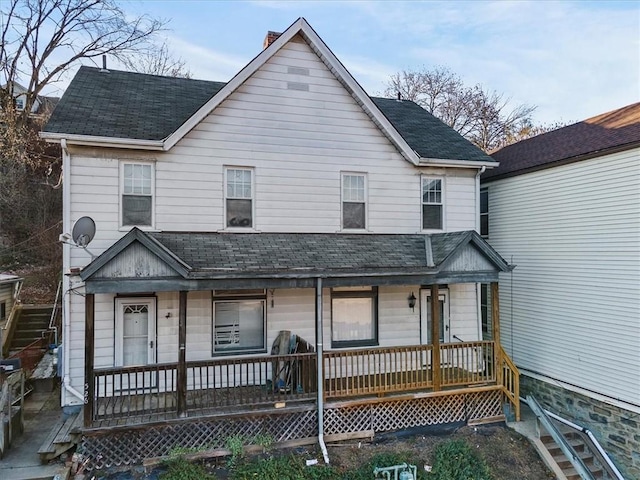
pixel 270 38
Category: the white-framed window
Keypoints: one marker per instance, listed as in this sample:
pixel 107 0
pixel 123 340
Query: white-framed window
pixel 484 212
pixel 137 184
pixel 19 103
pixel 354 201
pixel 432 203
pixel 354 317
pixel 239 322
pixel 239 197
pixel 485 312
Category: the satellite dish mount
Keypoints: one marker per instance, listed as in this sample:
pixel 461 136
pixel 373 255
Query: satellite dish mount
pixel 83 232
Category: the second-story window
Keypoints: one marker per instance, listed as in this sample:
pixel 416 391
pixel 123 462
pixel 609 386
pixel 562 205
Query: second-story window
pixel 137 194
pixel 354 206
pixel 484 212
pixel 432 203
pixel 239 197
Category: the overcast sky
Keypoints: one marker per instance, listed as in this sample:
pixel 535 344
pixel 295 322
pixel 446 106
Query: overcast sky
pixel 572 59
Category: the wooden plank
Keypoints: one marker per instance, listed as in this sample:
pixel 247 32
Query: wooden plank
pixel 89 378
pixel 435 337
pixel 47 446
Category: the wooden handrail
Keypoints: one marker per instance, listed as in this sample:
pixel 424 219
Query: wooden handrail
pixel 510 381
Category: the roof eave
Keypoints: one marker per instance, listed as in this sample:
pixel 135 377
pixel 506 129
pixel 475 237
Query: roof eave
pixel 444 162
pixel 96 141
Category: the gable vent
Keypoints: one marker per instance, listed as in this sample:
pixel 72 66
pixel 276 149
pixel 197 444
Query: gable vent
pixel 303 87
pixel 298 71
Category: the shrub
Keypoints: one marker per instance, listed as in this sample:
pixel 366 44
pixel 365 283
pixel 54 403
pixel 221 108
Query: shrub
pixel 456 460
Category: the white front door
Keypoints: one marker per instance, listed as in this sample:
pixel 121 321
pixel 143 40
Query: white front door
pixel 135 331
pixel 425 316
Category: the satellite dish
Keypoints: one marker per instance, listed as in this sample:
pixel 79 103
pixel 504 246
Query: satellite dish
pixel 83 231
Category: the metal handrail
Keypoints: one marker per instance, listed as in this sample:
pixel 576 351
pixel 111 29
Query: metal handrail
pixel 54 311
pixel 566 448
pixel 608 465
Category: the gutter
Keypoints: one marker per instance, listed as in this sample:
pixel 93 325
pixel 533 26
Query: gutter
pixel 320 372
pixel 442 162
pixel 95 141
pixel 66 262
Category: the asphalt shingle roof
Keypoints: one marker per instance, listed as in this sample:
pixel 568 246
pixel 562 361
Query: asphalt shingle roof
pixel 426 134
pixel 310 252
pixel 131 105
pixel 595 136
pixel 128 105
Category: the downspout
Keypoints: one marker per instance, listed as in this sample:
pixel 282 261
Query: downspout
pixel 66 263
pixel 320 368
pixel 478 292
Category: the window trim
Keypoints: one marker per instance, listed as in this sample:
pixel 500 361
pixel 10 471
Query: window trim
pixel 366 201
pixel 226 297
pixel 3 310
pixel 484 191
pixel 372 293
pixel 121 226
pixel 225 177
pixel 442 203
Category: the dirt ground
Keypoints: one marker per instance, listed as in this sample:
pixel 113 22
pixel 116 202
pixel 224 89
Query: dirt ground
pixel 509 455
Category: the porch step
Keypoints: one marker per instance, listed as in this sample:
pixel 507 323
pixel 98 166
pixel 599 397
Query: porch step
pixel 64 435
pixel 564 463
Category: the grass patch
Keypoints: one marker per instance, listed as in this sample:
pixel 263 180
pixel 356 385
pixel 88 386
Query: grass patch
pixel 456 460
pixel 179 468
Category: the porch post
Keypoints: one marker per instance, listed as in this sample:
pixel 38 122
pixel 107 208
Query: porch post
pixel 89 378
pixel 182 355
pixel 495 320
pixel 435 337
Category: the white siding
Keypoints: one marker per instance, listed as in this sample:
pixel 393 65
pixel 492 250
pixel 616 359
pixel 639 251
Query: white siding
pixel 571 308
pixel 298 143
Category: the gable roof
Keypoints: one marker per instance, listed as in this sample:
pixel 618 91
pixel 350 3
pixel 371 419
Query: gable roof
pixel 147 111
pixel 198 256
pixel 600 135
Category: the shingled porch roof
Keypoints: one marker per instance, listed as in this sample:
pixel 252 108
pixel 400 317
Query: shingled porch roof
pixel 169 261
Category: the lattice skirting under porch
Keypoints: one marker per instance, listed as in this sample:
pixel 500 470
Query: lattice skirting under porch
pixel 130 446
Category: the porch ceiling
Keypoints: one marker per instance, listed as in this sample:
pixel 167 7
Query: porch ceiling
pixel 170 261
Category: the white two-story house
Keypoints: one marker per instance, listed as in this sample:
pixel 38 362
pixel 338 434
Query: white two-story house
pixel 265 255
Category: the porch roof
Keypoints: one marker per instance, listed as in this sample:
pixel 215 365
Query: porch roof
pixel 166 261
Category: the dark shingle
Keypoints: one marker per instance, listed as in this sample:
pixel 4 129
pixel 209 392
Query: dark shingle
pixel 128 105
pixel 426 134
pixel 594 136
pixel 148 107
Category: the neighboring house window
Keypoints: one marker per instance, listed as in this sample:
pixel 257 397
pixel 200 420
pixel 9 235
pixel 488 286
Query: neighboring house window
pixel 354 194
pixel 137 194
pixel 354 313
pixel 484 212
pixel 19 103
pixel 3 310
pixel 239 197
pixel 432 203
pixel 239 322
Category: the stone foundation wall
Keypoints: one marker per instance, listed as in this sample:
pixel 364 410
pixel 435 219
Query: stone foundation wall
pixel 617 429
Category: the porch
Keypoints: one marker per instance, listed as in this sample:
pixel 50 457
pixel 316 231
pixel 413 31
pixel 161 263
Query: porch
pixel 147 394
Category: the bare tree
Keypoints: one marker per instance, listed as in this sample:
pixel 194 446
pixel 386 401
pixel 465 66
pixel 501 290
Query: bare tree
pixel 42 39
pixel 480 115
pixel 157 61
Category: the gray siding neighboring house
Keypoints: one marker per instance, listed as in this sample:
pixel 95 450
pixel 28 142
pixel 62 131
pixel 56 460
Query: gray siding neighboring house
pixel 565 208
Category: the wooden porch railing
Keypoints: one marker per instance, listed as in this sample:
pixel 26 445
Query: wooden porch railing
pixel 510 380
pixel 213 384
pixel 223 383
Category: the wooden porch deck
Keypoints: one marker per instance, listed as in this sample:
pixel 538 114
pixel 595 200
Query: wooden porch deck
pixel 139 395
